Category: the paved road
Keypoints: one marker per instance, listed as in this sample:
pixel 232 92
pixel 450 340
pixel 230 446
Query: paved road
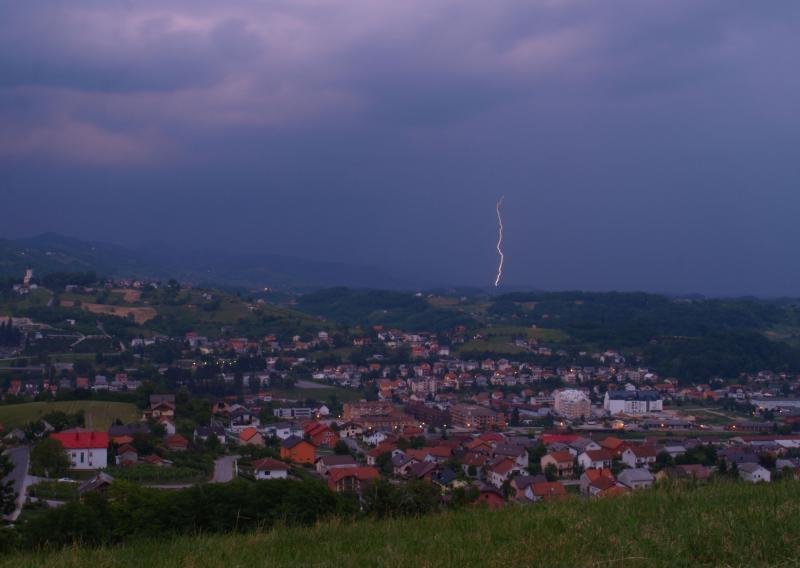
pixel 19 457
pixel 224 469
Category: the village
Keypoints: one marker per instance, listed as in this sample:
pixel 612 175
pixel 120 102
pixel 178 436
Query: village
pixel 401 407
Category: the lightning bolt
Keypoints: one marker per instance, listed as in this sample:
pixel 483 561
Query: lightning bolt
pixel 499 241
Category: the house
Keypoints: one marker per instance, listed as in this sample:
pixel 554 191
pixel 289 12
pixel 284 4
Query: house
pixel 242 418
pixel 86 449
pixel 351 430
pixel 167 423
pixel 595 482
pixel 402 462
pixel 639 456
pixel 636 478
pixel 297 450
pixel 284 430
pixel 500 471
pixel 97 484
pixel 422 470
pixel 203 433
pixel 490 496
pixel 561 460
pixel 548 490
pixel 375 453
pixel 156 460
pixel 613 445
pixel 127 455
pixel 375 438
pixel 321 435
pixel 595 459
pixel 176 443
pixel 522 485
pixel 352 479
pixel 268 468
pixel 251 437
pixel 326 463
pixel 444 478
pixel 582 445
pixel 518 453
pixel 754 473
pixel 162 408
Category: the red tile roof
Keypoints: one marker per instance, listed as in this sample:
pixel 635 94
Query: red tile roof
pixel 548 489
pixel 269 464
pixel 248 434
pixel 362 473
pixel 79 438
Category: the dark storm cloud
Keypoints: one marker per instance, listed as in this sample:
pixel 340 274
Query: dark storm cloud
pixel 639 144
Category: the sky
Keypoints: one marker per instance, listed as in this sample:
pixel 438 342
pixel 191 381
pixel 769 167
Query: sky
pixel 639 145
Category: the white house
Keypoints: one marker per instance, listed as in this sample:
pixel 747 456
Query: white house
pixel 754 473
pixel 595 459
pixel 636 478
pixel 639 456
pixel 284 430
pixel 86 449
pixel 269 468
pixel 375 438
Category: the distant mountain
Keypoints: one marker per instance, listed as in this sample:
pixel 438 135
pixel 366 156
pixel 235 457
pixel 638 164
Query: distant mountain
pixel 51 252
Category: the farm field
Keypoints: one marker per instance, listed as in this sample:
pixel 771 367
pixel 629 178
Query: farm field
pixel 99 414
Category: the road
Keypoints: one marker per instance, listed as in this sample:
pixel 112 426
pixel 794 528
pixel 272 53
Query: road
pixel 20 458
pixel 224 469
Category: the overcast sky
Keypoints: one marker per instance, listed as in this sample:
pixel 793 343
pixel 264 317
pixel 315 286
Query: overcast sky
pixel 639 145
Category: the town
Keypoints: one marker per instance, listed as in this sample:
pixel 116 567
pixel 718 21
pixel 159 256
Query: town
pixel 401 407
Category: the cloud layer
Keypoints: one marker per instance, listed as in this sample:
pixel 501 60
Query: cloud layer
pixel 618 130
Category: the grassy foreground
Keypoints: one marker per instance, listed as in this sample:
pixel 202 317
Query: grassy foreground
pixel 725 524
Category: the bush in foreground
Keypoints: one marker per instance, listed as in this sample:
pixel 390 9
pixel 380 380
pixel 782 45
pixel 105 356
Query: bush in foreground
pixel 724 524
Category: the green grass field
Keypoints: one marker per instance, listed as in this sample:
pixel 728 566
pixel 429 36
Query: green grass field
pixel 99 414
pixel 320 394
pixel 500 339
pixel 724 524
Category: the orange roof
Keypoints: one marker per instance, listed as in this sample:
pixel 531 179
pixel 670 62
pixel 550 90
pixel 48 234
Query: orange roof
pixel 611 443
pixel 599 455
pixel 548 489
pixel 561 457
pixel 597 473
pixel 248 434
pixel 615 490
pixel 176 440
pixel 503 466
pixel 362 473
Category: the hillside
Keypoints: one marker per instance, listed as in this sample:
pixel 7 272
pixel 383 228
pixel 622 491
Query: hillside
pixel 51 252
pixel 726 524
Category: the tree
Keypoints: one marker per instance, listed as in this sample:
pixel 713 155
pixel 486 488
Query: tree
pixel 48 459
pixel 551 472
pixel 341 448
pixel 384 463
pixel 663 459
pixel 8 497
